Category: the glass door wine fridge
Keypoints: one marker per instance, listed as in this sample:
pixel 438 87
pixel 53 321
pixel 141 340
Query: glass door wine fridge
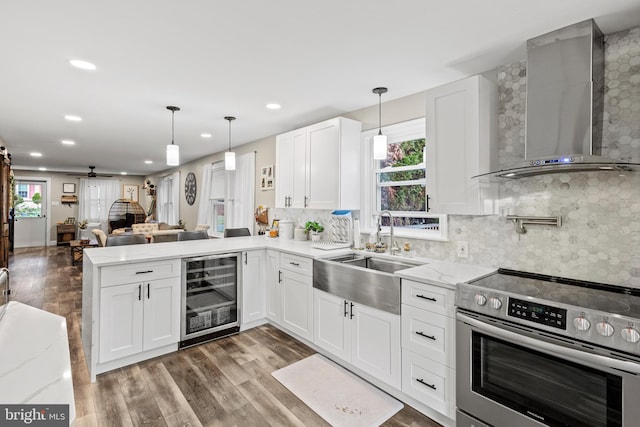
pixel 210 306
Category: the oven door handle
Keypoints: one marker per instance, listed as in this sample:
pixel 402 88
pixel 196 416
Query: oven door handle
pixel 549 348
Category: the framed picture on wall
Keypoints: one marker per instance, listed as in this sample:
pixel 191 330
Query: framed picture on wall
pixel 267 179
pixel 130 192
pixel 68 187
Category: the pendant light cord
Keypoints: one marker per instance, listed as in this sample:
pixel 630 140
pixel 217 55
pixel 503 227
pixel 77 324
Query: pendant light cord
pixel 380 113
pixel 229 118
pixel 173 114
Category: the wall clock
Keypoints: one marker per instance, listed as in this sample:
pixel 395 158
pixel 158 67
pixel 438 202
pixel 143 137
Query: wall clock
pixel 190 188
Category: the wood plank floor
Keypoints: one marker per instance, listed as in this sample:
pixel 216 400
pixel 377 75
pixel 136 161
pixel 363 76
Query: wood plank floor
pixel 226 382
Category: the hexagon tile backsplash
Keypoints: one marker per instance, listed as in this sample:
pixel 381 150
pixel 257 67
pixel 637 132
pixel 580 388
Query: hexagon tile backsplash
pixel 600 236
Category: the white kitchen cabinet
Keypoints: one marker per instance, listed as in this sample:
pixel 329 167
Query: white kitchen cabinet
pixel 137 317
pixel 318 166
pixel 428 345
pixel 366 337
pixel 461 142
pixel 253 289
pixel 274 295
pixel 296 289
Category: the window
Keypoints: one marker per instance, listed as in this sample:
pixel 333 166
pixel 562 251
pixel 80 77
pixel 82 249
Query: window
pixel 168 203
pixel 96 197
pixel 398 184
pixel 22 191
pixel 29 200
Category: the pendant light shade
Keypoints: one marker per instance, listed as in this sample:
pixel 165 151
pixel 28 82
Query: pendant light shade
pixel 173 151
pixel 230 156
pixel 380 140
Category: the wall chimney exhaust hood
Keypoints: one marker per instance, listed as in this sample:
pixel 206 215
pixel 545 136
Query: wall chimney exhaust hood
pixel 565 100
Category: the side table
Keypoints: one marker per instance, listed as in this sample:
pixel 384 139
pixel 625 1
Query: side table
pixel 77 246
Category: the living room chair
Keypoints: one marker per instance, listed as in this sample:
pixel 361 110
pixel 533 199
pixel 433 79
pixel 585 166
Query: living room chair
pixel 236 232
pixel 192 235
pixel 130 239
pixel 101 237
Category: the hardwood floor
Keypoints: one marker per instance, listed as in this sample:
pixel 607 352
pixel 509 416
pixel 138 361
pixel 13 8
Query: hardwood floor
pixel 226 382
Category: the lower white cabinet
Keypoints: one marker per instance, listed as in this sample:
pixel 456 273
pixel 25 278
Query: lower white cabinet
pixel 431 384
pixel 366 337
pixel 274 296
pixel 253 289
pixel 138 317
pixel 297 303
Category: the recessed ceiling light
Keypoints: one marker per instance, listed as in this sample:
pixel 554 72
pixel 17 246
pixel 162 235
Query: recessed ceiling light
pixel 123 173
pixel 148 162
pixel 68 142
pixel 42 169
pixel 35 154
pixel 83 65
pixel 72 118
pixel 273 106
pixel 205 135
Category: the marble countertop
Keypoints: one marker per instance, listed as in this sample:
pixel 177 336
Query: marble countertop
pixel 35 367
pixel 445 273
pixel 157 251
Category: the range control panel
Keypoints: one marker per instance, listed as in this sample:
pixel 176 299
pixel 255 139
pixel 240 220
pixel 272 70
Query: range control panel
pixel 539 313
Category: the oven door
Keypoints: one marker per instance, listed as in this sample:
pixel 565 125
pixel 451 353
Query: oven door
pixel 510 375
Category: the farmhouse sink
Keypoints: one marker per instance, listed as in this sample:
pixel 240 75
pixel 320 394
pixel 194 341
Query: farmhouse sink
pixel 362 279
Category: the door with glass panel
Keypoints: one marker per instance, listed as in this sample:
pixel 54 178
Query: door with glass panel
pixel 30 214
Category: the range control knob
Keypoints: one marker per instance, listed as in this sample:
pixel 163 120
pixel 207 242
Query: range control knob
pixel 630 334
pixel 605 328
pixel 495 303
pixel 581 323
pixel 481 299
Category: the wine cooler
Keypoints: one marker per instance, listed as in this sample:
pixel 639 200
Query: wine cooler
pixel 210 306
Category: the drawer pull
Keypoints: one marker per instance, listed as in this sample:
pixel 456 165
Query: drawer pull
pixel 427 298
pixel 421 381
pixel 422 334
pixel 144 272
pixel 297 264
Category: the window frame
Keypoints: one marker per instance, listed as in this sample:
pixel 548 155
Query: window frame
pixel 370 212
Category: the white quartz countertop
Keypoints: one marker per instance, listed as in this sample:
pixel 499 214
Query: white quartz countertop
pixel 445 273
pixel 157 251
pixel 35 367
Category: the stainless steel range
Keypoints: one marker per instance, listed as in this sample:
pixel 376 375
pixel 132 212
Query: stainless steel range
pixel 538 350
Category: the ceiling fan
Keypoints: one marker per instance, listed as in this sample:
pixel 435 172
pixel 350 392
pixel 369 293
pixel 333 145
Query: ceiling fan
pixel 91 174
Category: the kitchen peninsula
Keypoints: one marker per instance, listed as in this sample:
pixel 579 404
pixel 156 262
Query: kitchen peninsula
pixel 276 286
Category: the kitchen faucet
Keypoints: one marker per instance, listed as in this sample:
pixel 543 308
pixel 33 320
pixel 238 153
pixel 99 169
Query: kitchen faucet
pixel 391 241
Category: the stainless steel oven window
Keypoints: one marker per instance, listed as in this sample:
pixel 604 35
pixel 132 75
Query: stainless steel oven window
pixel 544 387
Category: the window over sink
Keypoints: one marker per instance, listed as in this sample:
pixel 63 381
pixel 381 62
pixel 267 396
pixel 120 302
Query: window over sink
pixel 398 184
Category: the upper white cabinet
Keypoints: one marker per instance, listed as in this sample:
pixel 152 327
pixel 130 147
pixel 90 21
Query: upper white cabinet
pixel 461 142
pixel 318 166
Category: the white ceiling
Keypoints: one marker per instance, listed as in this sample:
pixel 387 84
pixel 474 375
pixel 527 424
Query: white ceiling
pixel 318 59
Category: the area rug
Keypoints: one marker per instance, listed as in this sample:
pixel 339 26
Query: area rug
pixel 338 396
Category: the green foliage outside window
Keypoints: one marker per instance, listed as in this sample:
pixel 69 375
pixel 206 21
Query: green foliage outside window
pixel 407 197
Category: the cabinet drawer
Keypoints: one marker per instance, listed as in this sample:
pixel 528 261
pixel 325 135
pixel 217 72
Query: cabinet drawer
pixel 296 263
pixel 429 297
pixel 431 384
pixel 138 272
pixel 429 334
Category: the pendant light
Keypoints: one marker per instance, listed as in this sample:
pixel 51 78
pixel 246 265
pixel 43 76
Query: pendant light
pixel 230 156
pixel 173 151
pixel 380 140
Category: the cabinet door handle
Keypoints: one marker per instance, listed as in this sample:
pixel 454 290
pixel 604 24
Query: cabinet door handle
pixel 421 381
pixel 351 313
pixel 245 258
pixel 279 276
pixel 428 208
pixel 139 292
pixel 305 201
pixel 148 290
pixel 422 334
pixel 346 311
pixel 427 298
pixel 144 272
pixel 297 264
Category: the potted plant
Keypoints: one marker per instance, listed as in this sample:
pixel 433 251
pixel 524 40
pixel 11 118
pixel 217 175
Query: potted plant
pixel 314 228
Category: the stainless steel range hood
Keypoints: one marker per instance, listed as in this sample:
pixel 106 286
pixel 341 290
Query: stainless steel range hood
pixel 565 100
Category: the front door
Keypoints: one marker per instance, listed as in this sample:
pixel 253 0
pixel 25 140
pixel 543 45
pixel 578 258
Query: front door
pixel 30 214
